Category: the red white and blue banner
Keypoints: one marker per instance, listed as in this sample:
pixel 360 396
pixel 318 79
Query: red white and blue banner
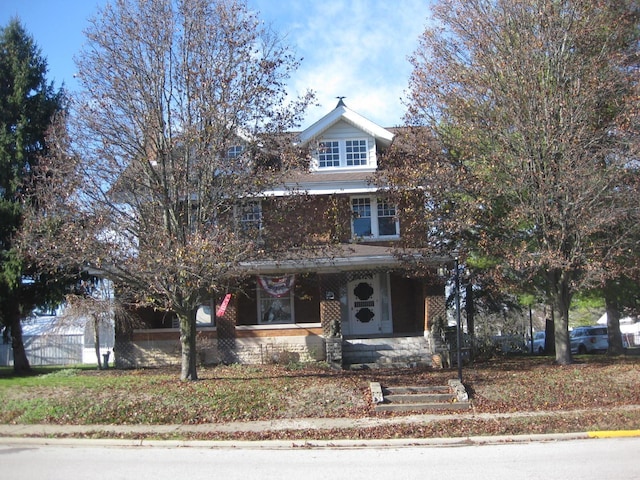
pixel 277 286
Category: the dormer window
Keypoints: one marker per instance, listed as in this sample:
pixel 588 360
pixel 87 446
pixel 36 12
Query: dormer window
pixel 343 154
pixel 356 151
pixel 344 140
pixel 329 154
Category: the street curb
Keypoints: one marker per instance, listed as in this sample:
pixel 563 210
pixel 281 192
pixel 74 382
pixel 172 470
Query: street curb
pixel 314 444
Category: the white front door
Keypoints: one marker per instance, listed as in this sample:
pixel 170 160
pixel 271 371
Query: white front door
pixel 364 305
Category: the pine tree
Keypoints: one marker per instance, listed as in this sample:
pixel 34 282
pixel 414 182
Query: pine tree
pixel 27 106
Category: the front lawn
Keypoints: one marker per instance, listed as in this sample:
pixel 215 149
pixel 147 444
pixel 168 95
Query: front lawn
pixel 586 395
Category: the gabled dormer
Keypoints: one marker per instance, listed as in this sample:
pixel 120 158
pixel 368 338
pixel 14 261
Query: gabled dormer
pixel 344 141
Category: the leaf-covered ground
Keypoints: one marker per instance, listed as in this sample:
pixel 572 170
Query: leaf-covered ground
pixel 595 393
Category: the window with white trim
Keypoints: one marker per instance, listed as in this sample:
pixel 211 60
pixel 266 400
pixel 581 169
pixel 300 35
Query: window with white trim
pixel 235 151
pixel 328 154
pixel 356 151
pixel 374 218
pixel 250 216
pixel 275 299
pixel 343 153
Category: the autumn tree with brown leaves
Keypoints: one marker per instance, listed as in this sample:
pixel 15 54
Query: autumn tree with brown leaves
pixel 147 178
pixel 526 151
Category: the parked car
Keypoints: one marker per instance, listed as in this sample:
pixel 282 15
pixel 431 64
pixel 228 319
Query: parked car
pixel 589 339
pixel 538 343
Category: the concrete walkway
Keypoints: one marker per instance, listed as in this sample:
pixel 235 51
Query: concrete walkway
pixel 46 433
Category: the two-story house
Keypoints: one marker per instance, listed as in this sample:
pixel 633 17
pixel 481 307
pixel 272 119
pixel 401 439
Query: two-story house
pixel 352 300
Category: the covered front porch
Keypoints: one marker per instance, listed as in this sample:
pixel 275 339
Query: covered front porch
pixel 361 308
pixel 372 307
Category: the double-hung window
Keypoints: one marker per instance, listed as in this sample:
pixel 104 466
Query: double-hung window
pixel 387 219
pixel 250 216
pixel 374 218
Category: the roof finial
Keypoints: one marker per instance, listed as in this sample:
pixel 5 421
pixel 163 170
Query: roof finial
pixel 340 102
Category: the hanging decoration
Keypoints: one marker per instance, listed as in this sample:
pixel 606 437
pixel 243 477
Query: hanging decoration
pixel 223 306
pixel 277 286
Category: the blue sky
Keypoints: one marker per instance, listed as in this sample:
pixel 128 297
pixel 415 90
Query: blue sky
pixel 352 48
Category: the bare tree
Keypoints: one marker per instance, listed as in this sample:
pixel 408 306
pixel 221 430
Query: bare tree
pixel 530 111
pixel 181 104
pixel 93 304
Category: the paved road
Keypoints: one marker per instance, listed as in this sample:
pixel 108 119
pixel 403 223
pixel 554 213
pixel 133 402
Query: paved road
pixel 610 458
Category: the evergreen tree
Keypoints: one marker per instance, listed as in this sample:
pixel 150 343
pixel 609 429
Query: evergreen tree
pixel 27 106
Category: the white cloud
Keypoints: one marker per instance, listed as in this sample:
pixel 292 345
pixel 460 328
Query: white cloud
pixel 357 49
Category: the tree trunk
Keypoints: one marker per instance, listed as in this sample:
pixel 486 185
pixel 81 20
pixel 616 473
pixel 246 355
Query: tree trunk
pixel 20 361
pixel 96 340
pixel 613 320
pixel 560 288
pixel 549 335
pixel 188 343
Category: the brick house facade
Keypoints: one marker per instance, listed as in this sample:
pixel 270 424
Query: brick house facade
pixel 351 301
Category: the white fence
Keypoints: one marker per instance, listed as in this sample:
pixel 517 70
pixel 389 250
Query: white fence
pixel 47 350
pixel 46 343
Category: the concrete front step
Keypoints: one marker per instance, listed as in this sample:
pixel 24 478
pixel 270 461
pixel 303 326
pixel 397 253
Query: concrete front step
pixel 425 389
pixel 388 352
pixel 399 364
pixel 417 398
pixel 421 407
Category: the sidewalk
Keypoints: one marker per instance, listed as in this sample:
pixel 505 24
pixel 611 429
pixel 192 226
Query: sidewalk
pixel 138 434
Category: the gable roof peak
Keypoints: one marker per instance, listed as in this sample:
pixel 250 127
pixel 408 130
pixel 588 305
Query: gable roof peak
pixel 342 112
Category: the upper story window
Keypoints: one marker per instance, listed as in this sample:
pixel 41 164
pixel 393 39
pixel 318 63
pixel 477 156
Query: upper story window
pixel 374 218
pixel 356 151
pixel 328 154
pixel 235 151
pixel 343 153
pixel 250 216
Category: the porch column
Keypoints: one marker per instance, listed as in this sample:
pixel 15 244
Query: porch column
pixel 226 332
pixel 332 330
pixel 435 308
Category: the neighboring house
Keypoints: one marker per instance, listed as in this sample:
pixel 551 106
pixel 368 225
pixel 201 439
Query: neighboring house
pixel 629 329
pixel 354 301
pixel 56 340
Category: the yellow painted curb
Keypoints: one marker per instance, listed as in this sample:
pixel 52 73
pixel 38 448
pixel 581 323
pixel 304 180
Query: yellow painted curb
pixel 614 433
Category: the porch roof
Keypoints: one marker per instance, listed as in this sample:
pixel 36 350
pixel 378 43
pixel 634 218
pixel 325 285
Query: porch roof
pixel 321 183
pixel 343 258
